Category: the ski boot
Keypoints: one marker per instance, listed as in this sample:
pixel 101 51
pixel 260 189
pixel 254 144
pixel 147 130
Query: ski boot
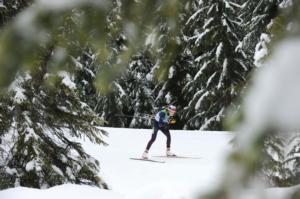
pixel 169 153
pixel 145 155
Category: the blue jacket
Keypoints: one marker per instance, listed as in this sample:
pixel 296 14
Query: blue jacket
pixel 162 117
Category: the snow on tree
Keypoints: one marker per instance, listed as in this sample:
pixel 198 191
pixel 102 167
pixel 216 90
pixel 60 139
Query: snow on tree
pixel 39 145
pixel 111 97
pixel 273 168
pixel 85 75
pixel 292 158
pixel 9 9
pixel 170 71
pixel 139 86
pixel 271 107
pixel 44 114
pixel 257 20
pixel 148 62
pixel 212 33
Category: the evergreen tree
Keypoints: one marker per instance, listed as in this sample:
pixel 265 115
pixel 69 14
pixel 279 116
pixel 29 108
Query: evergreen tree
pixel 283 116
pixel 112 98
pixel 111 105
pixel 9 9
pixel 139 86
pixel 270 24
pixel 86 65
pixel 171 69
pixel 293 160
pixel 149 66
pixel 257 20
pixel 44 116
pixel 40 147
pixel 274 169
pixel 212 34
pixel 290 24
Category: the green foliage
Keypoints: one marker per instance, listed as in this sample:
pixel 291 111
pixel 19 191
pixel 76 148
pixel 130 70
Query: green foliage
pixel 37 28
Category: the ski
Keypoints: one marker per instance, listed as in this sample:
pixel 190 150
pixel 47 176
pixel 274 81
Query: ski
pixel 148 160
pixel 176 156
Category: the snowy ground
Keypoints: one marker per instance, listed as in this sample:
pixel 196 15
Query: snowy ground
pixel 130 179
pixel 138 179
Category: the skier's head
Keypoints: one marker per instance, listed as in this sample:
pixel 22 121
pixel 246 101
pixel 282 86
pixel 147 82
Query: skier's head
pixel 171 110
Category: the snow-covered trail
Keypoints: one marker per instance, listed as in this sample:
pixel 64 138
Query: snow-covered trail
pixel 142 180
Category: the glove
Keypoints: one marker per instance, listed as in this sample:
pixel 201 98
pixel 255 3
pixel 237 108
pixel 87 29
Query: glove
pixel 173 121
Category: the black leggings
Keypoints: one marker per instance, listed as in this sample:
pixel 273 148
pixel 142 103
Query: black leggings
pixel 165 131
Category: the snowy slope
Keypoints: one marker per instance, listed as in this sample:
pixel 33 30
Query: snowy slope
pixel 130 179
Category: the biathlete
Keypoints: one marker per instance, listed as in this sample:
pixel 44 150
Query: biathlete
pixel 161 122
